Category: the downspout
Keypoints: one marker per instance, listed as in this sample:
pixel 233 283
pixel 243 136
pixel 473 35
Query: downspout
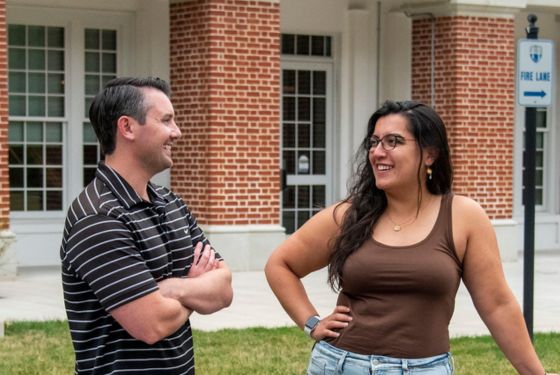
pixel 378 57
pixel 432 54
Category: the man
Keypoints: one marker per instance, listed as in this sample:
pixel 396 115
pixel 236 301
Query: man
pixel 135 264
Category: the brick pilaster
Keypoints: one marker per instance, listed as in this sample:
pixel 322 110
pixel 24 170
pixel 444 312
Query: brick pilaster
pixel 4 172
pixel 475 88
pixel 225 73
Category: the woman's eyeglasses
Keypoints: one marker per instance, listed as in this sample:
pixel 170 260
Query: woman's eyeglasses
pixel 388 142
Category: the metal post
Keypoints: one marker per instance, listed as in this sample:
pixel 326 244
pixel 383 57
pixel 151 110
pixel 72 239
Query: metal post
pixel 529 199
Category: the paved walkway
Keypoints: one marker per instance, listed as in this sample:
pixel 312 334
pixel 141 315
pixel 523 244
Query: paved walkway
pixel 37 295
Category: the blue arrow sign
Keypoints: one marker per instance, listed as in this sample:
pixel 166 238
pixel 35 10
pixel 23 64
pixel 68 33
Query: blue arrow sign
pixel 534 93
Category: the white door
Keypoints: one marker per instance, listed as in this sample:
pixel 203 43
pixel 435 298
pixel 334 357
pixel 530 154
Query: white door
pixel 306 141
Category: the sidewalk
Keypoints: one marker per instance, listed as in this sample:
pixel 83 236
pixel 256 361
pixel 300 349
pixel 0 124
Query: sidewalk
pixel 37 295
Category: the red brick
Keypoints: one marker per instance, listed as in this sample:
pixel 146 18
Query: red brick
pixel 225 84
pixel 475 97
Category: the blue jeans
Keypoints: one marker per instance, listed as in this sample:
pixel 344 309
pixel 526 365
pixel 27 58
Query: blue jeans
pixel 326 359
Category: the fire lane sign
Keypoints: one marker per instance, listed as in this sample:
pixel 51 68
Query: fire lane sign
pixel 535 58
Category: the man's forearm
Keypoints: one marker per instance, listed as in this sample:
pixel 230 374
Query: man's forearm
pixel 204 294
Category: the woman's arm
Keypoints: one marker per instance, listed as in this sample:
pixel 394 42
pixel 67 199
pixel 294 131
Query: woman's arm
pixel 484 278
pixel 305 251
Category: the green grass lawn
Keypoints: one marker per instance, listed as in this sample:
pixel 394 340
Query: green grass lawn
pixel 45 348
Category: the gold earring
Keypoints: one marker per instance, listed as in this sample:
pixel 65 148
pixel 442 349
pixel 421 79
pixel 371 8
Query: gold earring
pixel 429 172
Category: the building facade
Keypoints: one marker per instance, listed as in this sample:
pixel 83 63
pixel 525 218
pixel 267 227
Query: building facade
pixel 272 97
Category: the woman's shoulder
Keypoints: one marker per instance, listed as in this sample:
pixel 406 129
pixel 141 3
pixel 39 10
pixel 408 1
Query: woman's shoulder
pixel 333 214
pixel 467 208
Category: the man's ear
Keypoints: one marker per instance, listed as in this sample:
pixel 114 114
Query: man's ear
pixel 125 127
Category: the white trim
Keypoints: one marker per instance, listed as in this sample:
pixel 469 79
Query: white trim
pixel 8 259
pixel 245 247
pixel 255 228
pixel 473 8
pixel 506 230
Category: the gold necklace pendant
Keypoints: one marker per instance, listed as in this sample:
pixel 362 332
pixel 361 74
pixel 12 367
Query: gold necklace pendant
pixel 397 228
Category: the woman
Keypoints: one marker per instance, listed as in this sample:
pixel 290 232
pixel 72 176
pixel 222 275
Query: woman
pixel 397 249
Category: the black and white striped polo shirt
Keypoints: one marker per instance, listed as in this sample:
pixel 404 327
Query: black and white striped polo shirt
pixel 115 248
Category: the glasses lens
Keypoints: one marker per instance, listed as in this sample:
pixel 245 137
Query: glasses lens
pixel 390 142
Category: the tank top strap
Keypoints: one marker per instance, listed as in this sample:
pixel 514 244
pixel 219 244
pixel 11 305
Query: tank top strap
pixel 446 224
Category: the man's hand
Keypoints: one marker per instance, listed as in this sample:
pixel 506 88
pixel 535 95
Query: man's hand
pixel 204 260
pixel 201 290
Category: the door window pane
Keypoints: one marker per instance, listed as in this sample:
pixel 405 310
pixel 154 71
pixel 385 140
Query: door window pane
pixel 289 81
pixel 540 160
pixel 299 203
pixel 288 109
pixel 288 135
pixel 319 162
pixel 304 82
pixel 36 59
pixel 56 84
pixel 304 141
pixel 55 37
pixel 304 135
pixel 56 60
pixel 36 35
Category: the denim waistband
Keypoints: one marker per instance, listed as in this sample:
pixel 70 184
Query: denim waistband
pixel 342 355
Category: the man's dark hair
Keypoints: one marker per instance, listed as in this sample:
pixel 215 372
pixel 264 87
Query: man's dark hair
pixel 121 97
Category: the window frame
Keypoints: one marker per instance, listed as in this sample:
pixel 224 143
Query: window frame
pixel 74 22
pixel 550 195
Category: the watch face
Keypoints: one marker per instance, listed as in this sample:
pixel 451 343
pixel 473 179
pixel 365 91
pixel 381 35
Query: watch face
pixel 312 322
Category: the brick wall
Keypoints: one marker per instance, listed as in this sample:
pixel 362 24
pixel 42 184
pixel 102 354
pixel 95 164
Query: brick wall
pixel 475 88
pixel 4 178
pixel 225 74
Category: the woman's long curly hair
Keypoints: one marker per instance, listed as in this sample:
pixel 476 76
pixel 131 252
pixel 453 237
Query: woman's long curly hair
pixel 366 201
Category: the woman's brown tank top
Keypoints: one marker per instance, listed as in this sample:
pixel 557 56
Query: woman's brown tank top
pixel 402 298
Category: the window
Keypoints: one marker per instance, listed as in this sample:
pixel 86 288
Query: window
pixel 100 67
pixel 36 117
pixel 306 45
pixel 57 62
pixel 540 159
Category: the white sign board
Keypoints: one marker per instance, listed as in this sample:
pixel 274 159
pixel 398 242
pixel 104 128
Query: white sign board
pixel 535 58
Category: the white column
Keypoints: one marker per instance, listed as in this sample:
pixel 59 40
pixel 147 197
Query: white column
pixel 8 259
pixel 358 85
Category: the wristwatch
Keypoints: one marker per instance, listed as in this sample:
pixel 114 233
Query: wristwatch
pixel 310 325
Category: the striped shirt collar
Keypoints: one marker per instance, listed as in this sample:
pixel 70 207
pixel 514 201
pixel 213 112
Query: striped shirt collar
pixel 122 189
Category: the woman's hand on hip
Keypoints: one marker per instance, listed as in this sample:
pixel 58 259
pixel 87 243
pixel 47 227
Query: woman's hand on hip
pixel 331 324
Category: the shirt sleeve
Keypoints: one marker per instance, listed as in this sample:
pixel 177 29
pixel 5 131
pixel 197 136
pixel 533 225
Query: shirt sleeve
pixel 101 251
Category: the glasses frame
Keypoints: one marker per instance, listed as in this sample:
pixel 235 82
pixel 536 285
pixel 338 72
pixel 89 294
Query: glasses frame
pixel 369 143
